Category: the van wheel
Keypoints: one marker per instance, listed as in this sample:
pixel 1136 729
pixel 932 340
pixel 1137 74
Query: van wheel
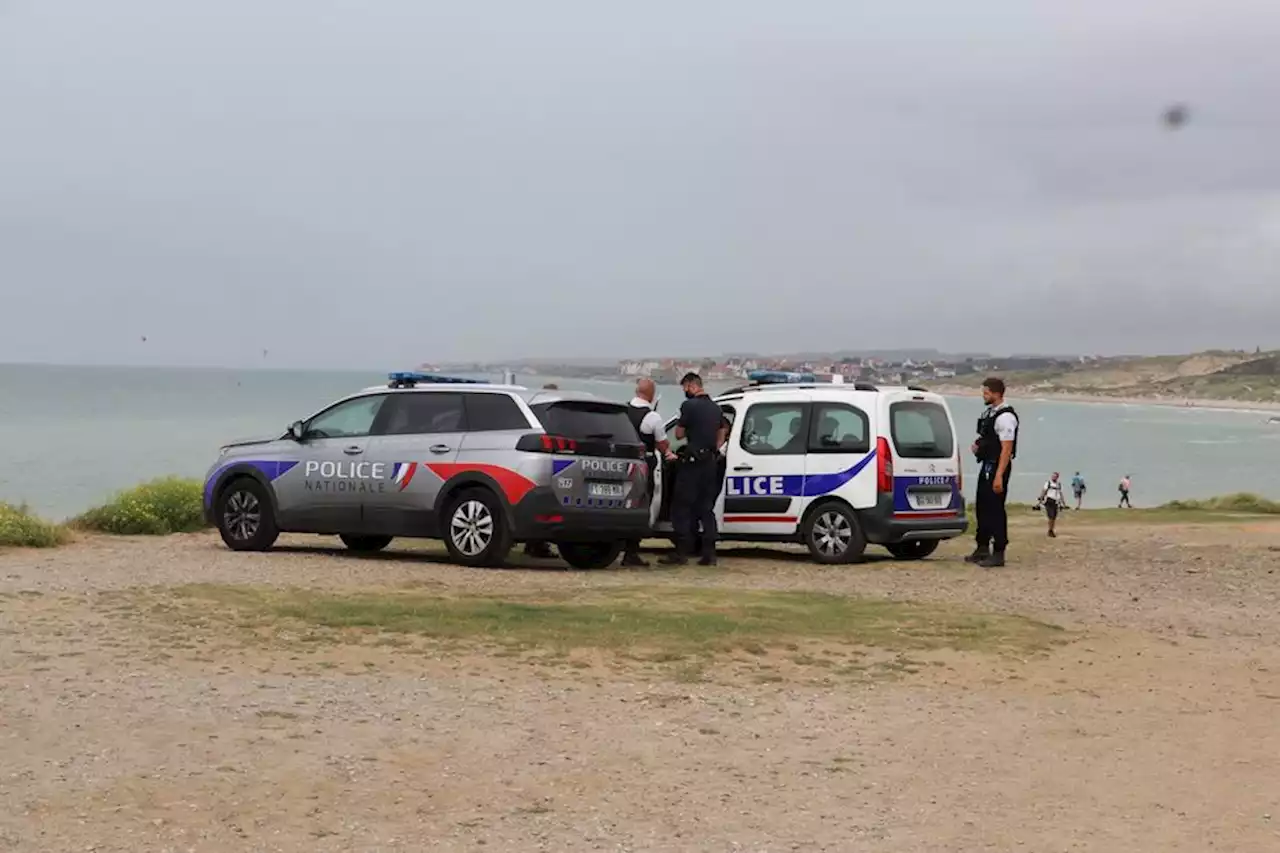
pixel 475 529
pixel 913 549
pixel 244 516
pixel 365 544
pixel 833 534
pixel 589 555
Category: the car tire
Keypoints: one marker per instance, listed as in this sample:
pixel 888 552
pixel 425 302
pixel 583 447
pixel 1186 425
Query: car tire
pixel 364 544
pixel 476 532
pixel 913 549
pixel 244 516
pixel 833 535
pixel 589 555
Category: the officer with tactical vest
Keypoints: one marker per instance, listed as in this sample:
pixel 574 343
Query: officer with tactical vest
pixel 653 436
pixel 995 449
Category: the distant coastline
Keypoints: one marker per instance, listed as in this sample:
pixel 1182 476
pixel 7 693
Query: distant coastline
pixel 1031 393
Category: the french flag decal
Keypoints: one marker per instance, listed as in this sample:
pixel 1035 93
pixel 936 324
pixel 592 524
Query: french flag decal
pixel 402 474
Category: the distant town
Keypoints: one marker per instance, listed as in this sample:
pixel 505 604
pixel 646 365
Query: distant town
pixel 886 368
pixel 885 371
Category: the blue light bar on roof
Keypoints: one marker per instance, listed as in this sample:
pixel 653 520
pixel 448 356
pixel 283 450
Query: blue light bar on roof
pixel 408 377
pixel 779 377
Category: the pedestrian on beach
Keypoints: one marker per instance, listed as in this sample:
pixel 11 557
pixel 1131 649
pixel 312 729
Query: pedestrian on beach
pixel 1078 489
pixel 995 449
pixel 1126 485
pixel 1051 500
pixel 648 425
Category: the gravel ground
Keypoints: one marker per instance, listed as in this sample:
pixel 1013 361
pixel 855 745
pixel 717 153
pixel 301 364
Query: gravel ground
pixel 1154 729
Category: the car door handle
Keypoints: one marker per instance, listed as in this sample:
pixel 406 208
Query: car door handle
pixel 742 468
pixel 440 448
pixel 353 450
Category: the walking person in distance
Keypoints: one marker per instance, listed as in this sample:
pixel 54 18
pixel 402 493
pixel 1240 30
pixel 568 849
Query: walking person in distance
pixel 995 449
pixel 693 501
pixel 1126 484
pixel 1078 489
pixel 653 436
pixel 1051 500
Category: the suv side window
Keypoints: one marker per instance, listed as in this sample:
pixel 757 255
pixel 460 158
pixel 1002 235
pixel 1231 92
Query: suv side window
pixel 487 412
pixel 775 429
pixel 839 428
pixel 348 419
pixel 419 412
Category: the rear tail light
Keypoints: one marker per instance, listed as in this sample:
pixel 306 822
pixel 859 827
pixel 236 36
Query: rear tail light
pixel 959 475
pixel 884 466
pixel 540 442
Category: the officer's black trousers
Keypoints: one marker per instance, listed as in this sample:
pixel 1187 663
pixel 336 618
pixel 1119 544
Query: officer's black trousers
pixel 694 505
pixel 993 520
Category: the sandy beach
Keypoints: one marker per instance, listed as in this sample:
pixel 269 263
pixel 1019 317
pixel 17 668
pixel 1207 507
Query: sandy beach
pixel 1120 694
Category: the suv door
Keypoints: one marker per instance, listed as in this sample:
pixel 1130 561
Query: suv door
pixel 840 451
pixel 766 469
pixel 417 429
pixel 324 492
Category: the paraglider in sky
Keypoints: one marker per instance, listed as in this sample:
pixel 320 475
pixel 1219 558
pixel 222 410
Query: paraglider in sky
pixel 1176 116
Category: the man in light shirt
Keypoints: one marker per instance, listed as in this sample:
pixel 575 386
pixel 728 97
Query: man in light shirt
pixel 1051 500
pixel 995 449
pixel 653 435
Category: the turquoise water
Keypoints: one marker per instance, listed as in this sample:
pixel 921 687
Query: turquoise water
pixel 70 436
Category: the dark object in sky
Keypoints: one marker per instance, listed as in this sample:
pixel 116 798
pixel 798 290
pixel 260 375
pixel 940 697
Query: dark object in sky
pixel 1176 116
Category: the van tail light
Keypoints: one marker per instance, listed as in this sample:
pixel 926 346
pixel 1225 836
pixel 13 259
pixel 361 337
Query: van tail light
pixel 540 442
pixel 959 475
pixel 884 466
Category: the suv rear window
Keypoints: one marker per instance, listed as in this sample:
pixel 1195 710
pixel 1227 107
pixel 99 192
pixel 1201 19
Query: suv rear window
pixel 583 419
pixel 921 431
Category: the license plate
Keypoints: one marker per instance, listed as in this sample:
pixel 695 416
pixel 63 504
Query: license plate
pixel 929 500
pixel 604 490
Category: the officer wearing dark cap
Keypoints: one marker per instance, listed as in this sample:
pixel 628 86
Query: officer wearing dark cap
pixel 701 426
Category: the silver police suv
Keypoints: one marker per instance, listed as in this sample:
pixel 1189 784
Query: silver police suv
pixel 479 465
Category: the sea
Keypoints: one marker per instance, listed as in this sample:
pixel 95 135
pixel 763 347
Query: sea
pixel 72 436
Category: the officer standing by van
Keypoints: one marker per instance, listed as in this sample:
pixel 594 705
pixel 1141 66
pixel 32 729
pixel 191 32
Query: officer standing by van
pixel 995 449
pixel 693 501
pixel 653 436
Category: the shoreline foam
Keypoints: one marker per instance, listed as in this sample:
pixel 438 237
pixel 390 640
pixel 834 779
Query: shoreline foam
pixel 1208 405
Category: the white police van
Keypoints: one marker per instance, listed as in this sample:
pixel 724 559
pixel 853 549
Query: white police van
pixel 834 466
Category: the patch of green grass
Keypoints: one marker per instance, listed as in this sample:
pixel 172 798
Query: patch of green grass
pixel 156 508
pixel 20 529
pixel 670 623
pixel 1238 502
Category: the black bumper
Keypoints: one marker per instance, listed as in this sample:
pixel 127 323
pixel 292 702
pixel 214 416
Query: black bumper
pixel 883 526
pixel 540 516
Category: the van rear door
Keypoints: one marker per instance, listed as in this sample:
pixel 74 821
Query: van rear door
pixel 926 461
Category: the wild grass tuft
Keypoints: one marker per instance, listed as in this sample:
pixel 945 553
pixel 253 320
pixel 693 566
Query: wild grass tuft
pixel 158 507
pixel 20 529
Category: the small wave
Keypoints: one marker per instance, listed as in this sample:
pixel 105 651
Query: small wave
pixel 1214 441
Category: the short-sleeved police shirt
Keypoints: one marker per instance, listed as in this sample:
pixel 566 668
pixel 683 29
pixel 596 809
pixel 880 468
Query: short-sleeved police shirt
pixel 701 419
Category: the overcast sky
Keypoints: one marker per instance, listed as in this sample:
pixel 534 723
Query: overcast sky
pixel 376 183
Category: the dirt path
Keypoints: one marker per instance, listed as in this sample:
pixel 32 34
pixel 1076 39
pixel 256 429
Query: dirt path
pixel 1154 729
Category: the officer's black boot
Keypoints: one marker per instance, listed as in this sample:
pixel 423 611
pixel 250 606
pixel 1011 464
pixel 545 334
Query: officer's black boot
pixel 995 561
pixel 982 552
pixel 631 558
pixel 675 558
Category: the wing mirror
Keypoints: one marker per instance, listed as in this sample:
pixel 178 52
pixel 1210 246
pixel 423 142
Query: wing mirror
pixel 297 430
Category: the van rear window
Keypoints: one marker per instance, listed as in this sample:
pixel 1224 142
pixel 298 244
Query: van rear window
pixel 921 430
pixel 584 419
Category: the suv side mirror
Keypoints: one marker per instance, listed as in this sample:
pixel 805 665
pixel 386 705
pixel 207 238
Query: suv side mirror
pixel 296 430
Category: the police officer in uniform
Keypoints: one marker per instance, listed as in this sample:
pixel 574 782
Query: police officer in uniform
pixel 995 449
pixel 653 436
pixel 693 503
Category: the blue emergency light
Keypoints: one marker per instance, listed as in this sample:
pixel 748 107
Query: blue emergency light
pixel 779 377
pixel 409 378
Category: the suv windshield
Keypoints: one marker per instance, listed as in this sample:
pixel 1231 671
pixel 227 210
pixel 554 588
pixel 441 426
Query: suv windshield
pixel 921 431
pixel 583 419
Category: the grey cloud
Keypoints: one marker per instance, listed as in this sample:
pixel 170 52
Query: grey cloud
pixel 374 184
